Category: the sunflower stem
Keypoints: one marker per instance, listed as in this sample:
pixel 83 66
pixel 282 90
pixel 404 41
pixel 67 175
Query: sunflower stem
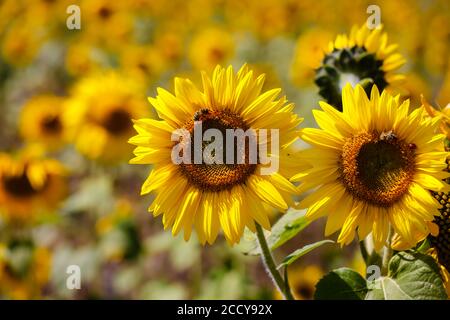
pixel 364 253
pixel 387 254
pixel 270 266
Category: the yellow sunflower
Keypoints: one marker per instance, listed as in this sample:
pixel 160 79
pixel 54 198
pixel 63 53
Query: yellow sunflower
pixel 210 47
pixel 30 185
pixel 302 282
pixel 362 57
pixel 99 115
pixel 373 165
pixel 42 121
pixel 24 270
pixel 209 196
pixel 309 51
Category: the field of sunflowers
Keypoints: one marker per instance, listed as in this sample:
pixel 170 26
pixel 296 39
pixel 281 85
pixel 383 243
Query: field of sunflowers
pixel 355 94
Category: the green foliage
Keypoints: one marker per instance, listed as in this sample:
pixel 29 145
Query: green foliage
pixel 343 284
pixel 287 227
pixel 301 252
pixel 411 275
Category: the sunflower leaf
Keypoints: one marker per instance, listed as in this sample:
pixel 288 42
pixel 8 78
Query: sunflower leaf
pixel 342 284
pixel 411 276
pixel 287 227
pixel 301 252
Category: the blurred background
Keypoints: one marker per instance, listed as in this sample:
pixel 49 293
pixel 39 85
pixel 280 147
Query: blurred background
pixel 67 193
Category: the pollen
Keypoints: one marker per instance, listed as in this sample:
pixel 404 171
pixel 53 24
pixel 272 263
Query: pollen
pixel 377 168
pixel 217 177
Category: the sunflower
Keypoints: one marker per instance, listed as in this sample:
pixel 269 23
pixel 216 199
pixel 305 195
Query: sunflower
pixel 208 196
pixel 438 236
pixel 309 52
pixel 42 121
pixel 373 165
pixel 440 240
pixel 29 185
pixel 143 62
pixel 24 269
pixel 101 15
pixel 99 115
pixel 302 282
pixel 363 57
pixel 210 47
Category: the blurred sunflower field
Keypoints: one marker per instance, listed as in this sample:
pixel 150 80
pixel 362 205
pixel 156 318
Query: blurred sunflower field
pixel 70 187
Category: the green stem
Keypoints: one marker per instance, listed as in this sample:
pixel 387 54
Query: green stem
pixel 364 253
pixel 271 268
pixel 387 254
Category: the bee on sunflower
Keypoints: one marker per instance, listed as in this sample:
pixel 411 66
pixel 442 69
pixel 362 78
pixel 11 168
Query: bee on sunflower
pixel 363 57
pixel 42 121
pixel 99 115
pixel 211 196
pixel 24 269
pixel 373 165
pixel 30 185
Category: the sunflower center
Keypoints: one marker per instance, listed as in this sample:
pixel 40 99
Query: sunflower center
pixel 305 291
pixel 117 122
pixel 209 176
pixel 18 186
pixel 52 124
pixel 377 168
pixel 105 13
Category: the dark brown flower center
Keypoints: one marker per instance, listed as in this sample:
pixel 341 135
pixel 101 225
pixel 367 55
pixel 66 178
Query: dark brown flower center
pixel 117 122
pixel 304 291
pixel 105 12
pixel 52 124
pixel 377 168
pixel 219 176
pixel 18 186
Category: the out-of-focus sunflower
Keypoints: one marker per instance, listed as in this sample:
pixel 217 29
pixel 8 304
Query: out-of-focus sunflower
pixel 209 196
pixel 210 47
pixel 101 15
pixel 302 282
pixel 373 165
pixel 42 121
pixel 363 57
pixel 99 115
pixel 21 43
pixel 143 62
pixel 413 88
pixel 309 51
pixel 119 234
pixel 83 58
pixel 29 185
pixel 170 45
pixel 24 269
pixel 443 97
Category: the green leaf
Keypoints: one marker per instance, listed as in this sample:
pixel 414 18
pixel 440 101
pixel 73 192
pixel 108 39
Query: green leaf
pixel 411 275
pixel 287 227
pixel 301 252
pixel 342 284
